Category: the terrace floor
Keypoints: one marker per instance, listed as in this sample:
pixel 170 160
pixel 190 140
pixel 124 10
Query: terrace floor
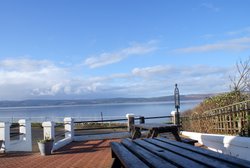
pixel 86 154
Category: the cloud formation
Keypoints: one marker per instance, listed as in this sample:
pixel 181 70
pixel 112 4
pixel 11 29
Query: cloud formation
pixel 21 77
pixel 237 44
pixel 245 30
pixel 152 71
pixel 114 57
pixel 210 7
pixel 35 79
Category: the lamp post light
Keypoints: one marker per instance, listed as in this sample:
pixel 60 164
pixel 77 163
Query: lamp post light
pixel 177 104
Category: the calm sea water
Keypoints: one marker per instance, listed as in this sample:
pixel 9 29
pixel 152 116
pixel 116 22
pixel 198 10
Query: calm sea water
pixel 92 112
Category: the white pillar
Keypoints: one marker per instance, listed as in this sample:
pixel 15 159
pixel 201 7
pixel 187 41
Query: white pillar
pixel 174 117
pixel 48 130
pixel 131 121
pixel 69 127
pixel 25 129
pixel 5 135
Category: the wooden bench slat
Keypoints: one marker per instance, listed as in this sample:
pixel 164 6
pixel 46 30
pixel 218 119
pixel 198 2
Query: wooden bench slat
pixel 161 152
pixel 189 154
pixel 233 160
pixel 170 156
pixel 127 158
pixel 146 156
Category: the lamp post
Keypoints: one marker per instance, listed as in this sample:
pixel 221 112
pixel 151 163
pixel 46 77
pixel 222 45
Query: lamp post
pixel 177 104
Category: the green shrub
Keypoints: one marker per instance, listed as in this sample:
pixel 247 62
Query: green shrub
pixel 217 101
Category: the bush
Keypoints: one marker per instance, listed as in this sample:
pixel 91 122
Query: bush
pixel 217 101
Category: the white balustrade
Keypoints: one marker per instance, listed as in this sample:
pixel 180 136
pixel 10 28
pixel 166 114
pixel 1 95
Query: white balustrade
pixel 48 130
pixel 69 127
pixel 131 121
pixel 24 143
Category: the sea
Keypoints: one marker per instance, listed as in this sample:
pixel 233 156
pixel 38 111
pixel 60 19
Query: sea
pixel 93 111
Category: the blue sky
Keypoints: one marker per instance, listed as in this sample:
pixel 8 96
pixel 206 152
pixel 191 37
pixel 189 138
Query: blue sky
pixel 61 49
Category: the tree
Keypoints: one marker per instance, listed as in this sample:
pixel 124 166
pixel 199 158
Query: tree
pixel 240 90
pixel 240 82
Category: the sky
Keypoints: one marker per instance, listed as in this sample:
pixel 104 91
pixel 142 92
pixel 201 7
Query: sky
pixel 62 49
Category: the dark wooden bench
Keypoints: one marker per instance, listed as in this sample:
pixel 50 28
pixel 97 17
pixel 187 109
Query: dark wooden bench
pixel 162 152
pixel 154 129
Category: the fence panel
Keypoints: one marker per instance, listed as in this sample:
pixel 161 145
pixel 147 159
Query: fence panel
pixel 233 119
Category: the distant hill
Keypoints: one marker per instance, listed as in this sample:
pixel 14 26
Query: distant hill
pixel 25 103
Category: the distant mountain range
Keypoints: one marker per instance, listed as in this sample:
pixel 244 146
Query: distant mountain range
pixel 25 103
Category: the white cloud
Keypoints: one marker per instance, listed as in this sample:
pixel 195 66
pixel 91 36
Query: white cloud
pixel 192 79
pixel 22 78
pixel 207 36
pixel 22 71
pixel 245 30
pixel 114 57
pixel 151 71
pixel 104 59
pixel 23 64
pixel 210 7
pixel 237 44
pixel 43 79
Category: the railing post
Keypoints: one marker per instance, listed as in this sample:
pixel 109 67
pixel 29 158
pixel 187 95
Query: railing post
pixel 131 121
pixel 69 127
pixel 5 135
pixel 142 120
pixel 25 131
pixel 174 117
pixel 48 130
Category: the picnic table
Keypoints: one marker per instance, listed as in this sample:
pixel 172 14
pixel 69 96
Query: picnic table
pixel 162 152
pixel 155 129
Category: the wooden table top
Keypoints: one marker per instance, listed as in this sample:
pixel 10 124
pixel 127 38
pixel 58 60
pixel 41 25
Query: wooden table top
pixel 155 125
pixel 162 152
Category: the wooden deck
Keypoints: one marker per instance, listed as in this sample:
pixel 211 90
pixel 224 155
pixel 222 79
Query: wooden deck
pixel 75 155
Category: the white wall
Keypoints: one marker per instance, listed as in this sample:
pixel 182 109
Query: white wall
pixel 230 145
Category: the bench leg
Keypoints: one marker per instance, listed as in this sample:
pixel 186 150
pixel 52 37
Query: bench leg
pixel 176 135
pixel 153 133
pixel 136 133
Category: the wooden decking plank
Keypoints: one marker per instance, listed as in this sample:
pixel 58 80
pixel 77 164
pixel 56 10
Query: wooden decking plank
pixel 236 161
pixel 149 158
pixel 190 154
pixel 127 158
pixel 176 159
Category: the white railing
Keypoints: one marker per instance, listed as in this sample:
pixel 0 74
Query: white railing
pixel 24 143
